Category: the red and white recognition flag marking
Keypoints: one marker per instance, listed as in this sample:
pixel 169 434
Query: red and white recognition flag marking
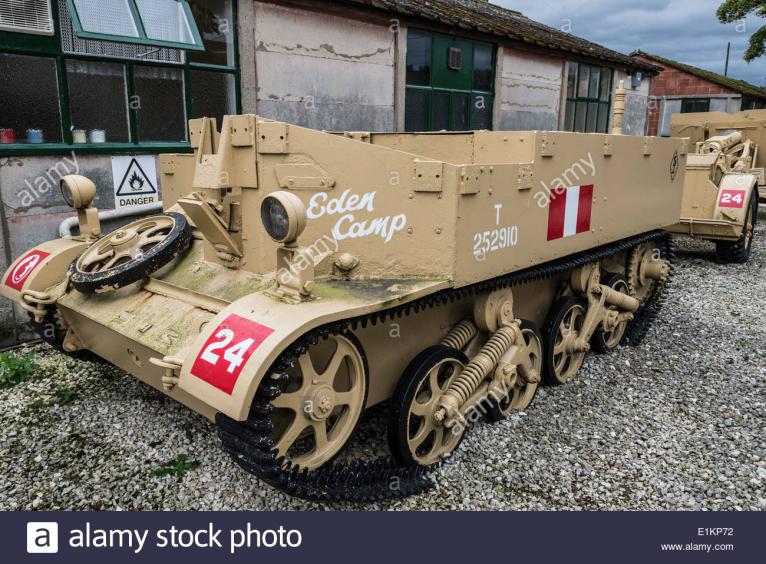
pixel 569 211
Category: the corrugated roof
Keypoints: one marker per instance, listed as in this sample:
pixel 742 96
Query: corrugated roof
pixel 485 17
pixel 728 82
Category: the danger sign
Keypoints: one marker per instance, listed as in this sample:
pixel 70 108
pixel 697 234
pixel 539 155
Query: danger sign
pixel 135 181
pixel 24 268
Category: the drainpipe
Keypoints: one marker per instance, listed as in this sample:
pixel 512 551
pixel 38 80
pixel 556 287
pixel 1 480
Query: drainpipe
pixel 65 227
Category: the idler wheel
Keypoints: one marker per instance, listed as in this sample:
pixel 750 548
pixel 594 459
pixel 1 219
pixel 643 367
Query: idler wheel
pixel 415 437
pixel 322 403
pixel 130 253
pixel 565 350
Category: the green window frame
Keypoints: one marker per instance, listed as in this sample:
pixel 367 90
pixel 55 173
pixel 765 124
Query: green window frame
pixel 142 37
pixel 589 98
pixel 695 105
pixel 50 48
pixel 443 90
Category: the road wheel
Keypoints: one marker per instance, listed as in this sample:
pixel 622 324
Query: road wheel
pixel 605 340
pixel 563 354
pixel 322 402
pixel 130 253
pixel 414 437
pixel 738 252
pixel 523 393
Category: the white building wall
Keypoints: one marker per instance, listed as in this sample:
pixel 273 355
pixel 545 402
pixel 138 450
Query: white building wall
pixel 529 91
pixel 323 71
pixel 636 104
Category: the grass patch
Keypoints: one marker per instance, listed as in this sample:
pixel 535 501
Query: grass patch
pixel 179 466
pixel 65 396
pixel 15 369
pixel 61 396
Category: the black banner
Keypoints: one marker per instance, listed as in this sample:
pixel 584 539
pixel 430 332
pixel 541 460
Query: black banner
pixel 308 538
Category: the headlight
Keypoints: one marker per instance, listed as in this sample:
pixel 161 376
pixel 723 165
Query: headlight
pixel 78 191
pixel 284 216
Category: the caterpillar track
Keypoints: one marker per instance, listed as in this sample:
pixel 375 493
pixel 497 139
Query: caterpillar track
pixel 251 443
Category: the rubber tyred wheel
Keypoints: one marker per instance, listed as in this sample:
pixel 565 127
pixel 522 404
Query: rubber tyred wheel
pixel 413 436
pixel 738 252
pixel 562 360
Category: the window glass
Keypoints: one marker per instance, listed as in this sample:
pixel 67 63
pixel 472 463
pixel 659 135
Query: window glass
pixel 694 105
pixel 592 121
pixel 418 59
pixel 29 99
pixel 440 111
pixel 595 76
pixel 416 108
pixel 603 118
pixel 569 117
pixel 606 85
pixel 582 89
pixel 482 106
pixel 98 100
pixel 165 20
pixel 482 67
pixel 580 117
pixel 213 95
pixel 572 80
pixel 215 22
pixel 109 17
pixel 159 104
pixel 589 91
pixel 460 108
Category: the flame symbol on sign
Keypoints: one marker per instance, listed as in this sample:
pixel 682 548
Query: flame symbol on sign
pixel 136 182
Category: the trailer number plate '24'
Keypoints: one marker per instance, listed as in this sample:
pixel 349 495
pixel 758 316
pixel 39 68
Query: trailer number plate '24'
pixel 732 199
pixel 225 353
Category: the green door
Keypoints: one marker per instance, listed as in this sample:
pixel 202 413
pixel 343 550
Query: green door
pixel 450 83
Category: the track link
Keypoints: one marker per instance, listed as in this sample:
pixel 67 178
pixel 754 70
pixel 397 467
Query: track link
pixel 251 443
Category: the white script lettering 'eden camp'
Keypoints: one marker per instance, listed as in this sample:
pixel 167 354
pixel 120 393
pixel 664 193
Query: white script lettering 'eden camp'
pixel 347 226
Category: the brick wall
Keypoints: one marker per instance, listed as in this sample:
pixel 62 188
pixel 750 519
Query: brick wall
pixel 673 83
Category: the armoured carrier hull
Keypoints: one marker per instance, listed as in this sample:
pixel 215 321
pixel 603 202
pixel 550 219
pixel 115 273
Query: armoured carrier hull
pixel 297 278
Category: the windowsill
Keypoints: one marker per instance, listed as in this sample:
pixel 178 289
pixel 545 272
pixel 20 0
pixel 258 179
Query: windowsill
pixel 13 150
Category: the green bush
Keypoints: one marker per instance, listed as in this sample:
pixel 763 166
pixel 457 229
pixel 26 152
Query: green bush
pixel 15 369
pixel 177 467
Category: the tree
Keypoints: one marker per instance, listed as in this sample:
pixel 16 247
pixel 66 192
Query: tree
pixel 736 10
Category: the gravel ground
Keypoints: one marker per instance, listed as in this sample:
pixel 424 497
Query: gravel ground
pixel 678 423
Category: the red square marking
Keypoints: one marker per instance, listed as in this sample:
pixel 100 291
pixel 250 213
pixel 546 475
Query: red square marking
pixel 732 199
pixel 225 353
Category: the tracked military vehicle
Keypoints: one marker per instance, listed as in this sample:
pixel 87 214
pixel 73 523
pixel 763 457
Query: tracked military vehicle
pixel 723 175
pixel 297 278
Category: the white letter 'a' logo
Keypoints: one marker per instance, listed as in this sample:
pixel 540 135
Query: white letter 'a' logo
pixel 42 538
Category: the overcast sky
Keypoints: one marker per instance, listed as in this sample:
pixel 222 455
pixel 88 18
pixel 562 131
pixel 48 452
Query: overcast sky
pixel 683 30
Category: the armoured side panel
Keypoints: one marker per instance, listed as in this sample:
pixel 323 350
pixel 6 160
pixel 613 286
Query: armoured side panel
pixel 578 192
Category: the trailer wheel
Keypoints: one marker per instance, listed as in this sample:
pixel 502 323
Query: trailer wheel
pixel 520 397
pixel 131 253
pixel 413 436
pixel 603 340
pixel 738 252
pixel 563 354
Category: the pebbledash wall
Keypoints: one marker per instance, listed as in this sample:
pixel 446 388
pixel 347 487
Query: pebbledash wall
pixel 315 64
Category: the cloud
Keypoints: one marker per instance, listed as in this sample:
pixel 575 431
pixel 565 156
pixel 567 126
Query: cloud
pixel 685 30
